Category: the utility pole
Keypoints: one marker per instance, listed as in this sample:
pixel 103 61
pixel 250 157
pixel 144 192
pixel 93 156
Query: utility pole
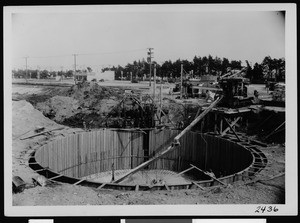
pixel 150 61
pixel 26 68
pixel 154 82
pixel 181 88
pixel 75 55
pixel 160 92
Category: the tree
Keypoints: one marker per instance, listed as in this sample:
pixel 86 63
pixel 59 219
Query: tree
pixel 236 64
pixel 166 69
pixel 225 65
pixel 197 64
pixel 44 74
pixel 69 73
pixel 257 72
pixel 89 69
pixel 249 71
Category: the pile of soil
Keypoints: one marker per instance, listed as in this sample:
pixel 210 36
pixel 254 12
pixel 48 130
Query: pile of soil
pixel 26 118
pixel 59 108
pixel 83 105
pixel 36 94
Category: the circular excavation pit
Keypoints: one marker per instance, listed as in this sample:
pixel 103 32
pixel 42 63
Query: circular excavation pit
pixel 99 158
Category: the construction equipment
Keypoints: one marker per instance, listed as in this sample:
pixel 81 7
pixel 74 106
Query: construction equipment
pixel 235 92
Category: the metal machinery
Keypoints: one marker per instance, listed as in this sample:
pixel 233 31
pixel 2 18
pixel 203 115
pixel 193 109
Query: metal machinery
pixel 235 92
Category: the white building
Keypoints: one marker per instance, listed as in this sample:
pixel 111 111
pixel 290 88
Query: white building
pixel 106 76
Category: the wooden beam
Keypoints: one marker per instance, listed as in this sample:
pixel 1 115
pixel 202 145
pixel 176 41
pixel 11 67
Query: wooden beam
pixel 280 130
pixel 232 124
pixel 232 129
pixel 78 182
pixel 174 145
pixel 102 185
pixel 167 187
pixel 60 175
pixel 198 185
pixel 258 143
pixel 208 174
pixel 41 133
pixel 271 133
pixel 185 170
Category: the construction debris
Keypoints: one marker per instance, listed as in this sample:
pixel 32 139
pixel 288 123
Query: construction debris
pixel 18 184
pixel 42 133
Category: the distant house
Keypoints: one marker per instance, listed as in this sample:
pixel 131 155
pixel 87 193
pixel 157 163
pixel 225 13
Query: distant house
pixel 107 76
pixel 59 78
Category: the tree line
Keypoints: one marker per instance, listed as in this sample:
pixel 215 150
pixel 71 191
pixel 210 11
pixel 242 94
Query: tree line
pixel 268 69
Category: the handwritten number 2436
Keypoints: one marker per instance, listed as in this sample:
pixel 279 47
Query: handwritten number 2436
pixel 262 209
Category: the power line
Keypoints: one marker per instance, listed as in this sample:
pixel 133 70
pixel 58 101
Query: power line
pixel 116 52
pixel 45 57
pixel 81 54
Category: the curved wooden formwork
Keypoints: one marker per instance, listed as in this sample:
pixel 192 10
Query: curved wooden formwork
pixel 73 157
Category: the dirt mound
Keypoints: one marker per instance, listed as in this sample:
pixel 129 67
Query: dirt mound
pixel 59 108
pixel 36 94
pixel 25 118
pixel 89 94
pixel 83 105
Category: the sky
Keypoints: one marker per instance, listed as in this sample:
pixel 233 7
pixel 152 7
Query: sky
pixel 117 36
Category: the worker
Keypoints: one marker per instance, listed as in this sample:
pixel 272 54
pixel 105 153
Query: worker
pixel 209 96
pixel 210 173
pixel 267 86
pixel 256 100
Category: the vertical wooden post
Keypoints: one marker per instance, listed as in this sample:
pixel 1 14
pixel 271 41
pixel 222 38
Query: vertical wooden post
pixel 215 124
pixel 221 125
pixel 154 82
pixel 181 80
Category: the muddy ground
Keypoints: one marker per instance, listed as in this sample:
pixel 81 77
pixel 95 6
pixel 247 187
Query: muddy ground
pixel 26 117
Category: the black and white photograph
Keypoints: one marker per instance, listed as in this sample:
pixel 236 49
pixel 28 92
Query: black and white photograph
pixel 175 109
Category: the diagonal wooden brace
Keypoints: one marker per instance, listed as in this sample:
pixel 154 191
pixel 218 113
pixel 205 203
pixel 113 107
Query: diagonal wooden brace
pixel 231 129
pixel 221 182
pixel 232 124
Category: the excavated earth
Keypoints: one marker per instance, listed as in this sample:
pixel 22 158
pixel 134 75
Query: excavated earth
pixel 35 108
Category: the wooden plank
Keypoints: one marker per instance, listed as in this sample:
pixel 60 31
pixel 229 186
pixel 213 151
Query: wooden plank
pixel 102 185
pixel 174 145
pixel 41 133
pixel 232 124
pixel 60 175
pixel 167 187
pixel 271 133
pixel 78 182
pixel 231 129
pixel 198 185
pixel 208 175
pixel 185 170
